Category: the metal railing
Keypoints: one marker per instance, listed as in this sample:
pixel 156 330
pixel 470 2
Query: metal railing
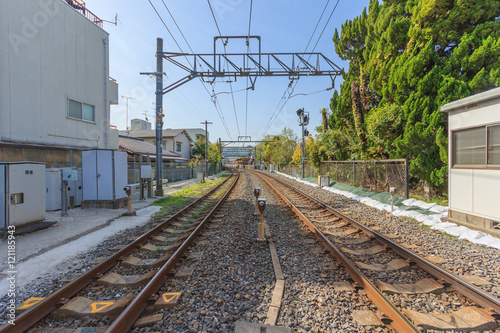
pixel 80 7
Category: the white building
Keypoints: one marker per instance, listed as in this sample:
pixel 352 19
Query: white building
pixel 55 89
pixel 474 159
pixel 196 133
pixel 139 124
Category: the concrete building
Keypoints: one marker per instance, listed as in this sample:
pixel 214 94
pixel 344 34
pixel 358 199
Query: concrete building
pixel 139 125
pixel 55 89
pixel 175 140
pixel 474 160
pixel 196 133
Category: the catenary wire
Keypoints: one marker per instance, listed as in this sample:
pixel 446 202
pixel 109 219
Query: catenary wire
pixel 293 88
pixel 218 109
pixel 230 84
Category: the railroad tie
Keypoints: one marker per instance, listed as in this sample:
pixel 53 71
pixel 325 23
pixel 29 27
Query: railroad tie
pixel 466 319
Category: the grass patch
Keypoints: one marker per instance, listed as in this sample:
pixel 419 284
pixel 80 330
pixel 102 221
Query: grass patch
pixel 158 252
pixel 182 197
pixel 201 211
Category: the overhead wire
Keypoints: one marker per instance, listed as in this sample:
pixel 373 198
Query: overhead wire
pixel 230 84
pixel 271 120
pixel 248 51
pixel 218 109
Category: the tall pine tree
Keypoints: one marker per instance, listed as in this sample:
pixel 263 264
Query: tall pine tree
pixel 407 59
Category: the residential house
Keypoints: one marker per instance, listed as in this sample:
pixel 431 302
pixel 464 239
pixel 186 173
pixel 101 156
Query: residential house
pixel 176 140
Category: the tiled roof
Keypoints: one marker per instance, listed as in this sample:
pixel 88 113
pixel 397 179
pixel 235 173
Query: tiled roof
pixel 139 146
pixel 167 133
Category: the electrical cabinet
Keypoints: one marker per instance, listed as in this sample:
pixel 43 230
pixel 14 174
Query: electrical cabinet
pixel 53 189
pixel 104 174
pixel 22 193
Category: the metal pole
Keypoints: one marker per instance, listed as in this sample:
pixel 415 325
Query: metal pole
pixel 407 180
pixel 150 182
pixel 64 196
pixel 303 151
pixel 159 116
pixel 206 146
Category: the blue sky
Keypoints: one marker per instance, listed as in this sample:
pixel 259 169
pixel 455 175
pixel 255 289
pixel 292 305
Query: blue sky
pixel 284 26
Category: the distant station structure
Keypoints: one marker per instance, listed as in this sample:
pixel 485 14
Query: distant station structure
pixel 474 159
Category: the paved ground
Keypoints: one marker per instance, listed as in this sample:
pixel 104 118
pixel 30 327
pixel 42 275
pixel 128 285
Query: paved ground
pixel 39 251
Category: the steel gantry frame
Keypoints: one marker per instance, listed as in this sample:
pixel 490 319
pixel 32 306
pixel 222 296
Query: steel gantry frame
pixel 220 65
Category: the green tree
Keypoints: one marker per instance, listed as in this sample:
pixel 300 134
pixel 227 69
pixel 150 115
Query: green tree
pixel 199 148
pixel 281 149
pixel 214 155
pixel 407 58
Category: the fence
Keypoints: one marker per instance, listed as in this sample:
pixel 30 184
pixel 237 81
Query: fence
pixel 172 171
pixel 376 175
pixel 296 170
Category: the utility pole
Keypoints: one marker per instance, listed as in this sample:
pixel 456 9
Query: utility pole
pixel 206 146
pixel 159 117
pixel 303 121
pixel 127 98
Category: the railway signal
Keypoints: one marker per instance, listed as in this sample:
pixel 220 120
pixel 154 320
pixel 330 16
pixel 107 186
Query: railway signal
pixel 262 207
pixel 256 192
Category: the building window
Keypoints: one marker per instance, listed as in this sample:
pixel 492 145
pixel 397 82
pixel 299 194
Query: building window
pixel 478 146
pixel 81 111
pixel 494 145
pixel 178 147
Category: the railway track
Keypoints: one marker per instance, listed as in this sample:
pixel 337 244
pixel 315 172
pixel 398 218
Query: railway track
pixel 374 262
pixel 135 273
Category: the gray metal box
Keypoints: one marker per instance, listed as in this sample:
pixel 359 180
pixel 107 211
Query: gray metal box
pixel 22 193
pixel 146 172
pixel 104 174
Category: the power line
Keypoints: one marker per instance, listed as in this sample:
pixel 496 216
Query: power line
pixel 293 88
pixel 328 21
pixel 250 19
pixel 230 84
pixel 248 51
pixel 317 24
pixel 219 110
pixel 213 15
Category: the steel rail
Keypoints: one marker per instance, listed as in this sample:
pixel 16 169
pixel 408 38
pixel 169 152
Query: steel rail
pixel 61 296
pixel 133 311
pixel 475 294
pixel 398 321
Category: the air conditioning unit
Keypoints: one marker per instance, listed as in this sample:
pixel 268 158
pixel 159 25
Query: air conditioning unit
pixel 22 193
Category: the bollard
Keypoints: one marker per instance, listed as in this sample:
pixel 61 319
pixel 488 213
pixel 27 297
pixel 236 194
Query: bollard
pixel 64 197
pixel 128 190
pixel 262 206
pixel 256 192
pixel 391 191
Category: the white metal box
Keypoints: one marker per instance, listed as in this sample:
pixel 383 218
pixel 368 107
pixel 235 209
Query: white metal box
pixel 104 174
pixel 52 189
pixel 22 193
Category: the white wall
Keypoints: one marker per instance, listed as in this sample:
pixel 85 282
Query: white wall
pixel 474 191
pixel 49 53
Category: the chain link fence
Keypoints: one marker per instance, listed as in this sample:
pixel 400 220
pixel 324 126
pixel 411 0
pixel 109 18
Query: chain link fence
pixel 373 175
